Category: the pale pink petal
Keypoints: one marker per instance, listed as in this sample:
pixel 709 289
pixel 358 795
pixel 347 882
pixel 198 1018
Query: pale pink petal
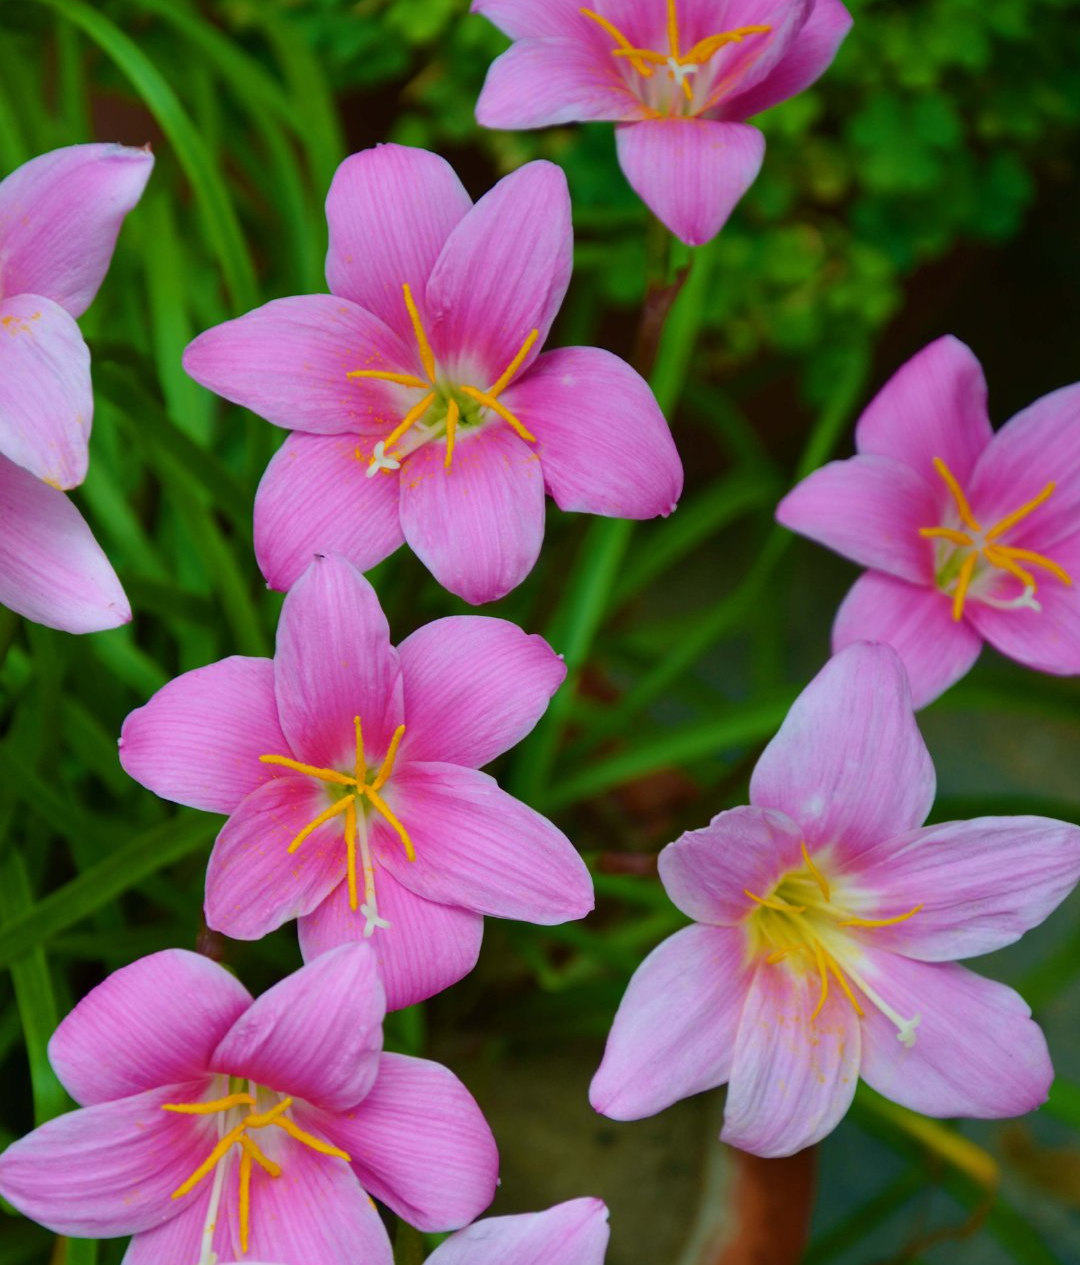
pixel 198 740
pixel 868 509
pixel 690 172
pixel 316 497
pixel 707 872
pixel 793 1076
pixel 426 948
pixel 290 360
pixel 52 570
pixel 60 215
pixel 334 662
pixel 572 1233
pixel 390 211
pixel 741 68
pixel 480 848
pixel 849 764
pixel 603 443
pixel 977 1051
pixel 674 1031
pixel 420 1143
pixel 129 1034
pixel 474 687
pixel 46 401
pixel 316 1035
pixel 477 526
pixel 179 1239
pixel 525 18
pixel 917 622
pixel 503 273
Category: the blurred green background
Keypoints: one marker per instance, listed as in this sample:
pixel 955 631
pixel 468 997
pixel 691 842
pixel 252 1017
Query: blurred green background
pixel 928 184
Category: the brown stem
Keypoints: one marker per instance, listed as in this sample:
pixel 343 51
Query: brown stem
pixel 654 312
pixel 770 1208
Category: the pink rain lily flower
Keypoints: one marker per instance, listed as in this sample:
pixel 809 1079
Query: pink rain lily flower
pixel 827 921
pixel 60 215
pixel 421 407
pixel 214 1127
pixel 971 536
pixel 573 1233
pixel 679 77
pixel 348 769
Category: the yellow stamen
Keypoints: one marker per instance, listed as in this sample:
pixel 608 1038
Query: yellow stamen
pixel 209 1108
pixel 819 954
pixel 782 906
pixel 673 28
pixel 324 775
pixel 1010 520
pixel 838 975
pixel 704 49
pixel 403 379
pixel 962 506
pixel 619 39
pixel 350 853
pixel 947 533
pixel 881 922
pixel 339 806
pixel 498 387
pixel 267 1165
pixel 997 558
pixel 268 1117
pixel 427 356
pixel 819 878
pixel 308 1139
pixel 360 767
pixel 967 570
pixel 413 415
pixel 453 411
pixel 490 402
pixel 646 54
pixel 388 763
pixel 386 811
pixel 1036 560
pixel 780 954
pixel 211 1161
pixel 245 1197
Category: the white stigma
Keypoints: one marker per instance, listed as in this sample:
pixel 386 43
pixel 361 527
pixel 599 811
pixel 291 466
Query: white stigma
pixel 1026 601
pixel 372 920
pixel 680 71
pixel 906 1032
pixel 380 461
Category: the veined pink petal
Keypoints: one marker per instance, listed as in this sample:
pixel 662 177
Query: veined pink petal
pixel 477 526
pixel 849 764
pixel 390 210
pixel 46 402
pixel 316 497
pixel 128 1035
pixel 334 662
pixel 572 1233
pixel 525 18
pixel 426 948
pixel 180 1238
pixel 977 1051
pixel 474 687
pixel 744 67
pixel 198 740
pixel 503 273
pixel 674 1032
pixel 706 872
pixel 60 215
pixel 420 1143
pixel 480 848
pixel 290 360
pixel 690 172
pixel 868 509
pixel 917 622
pixel 52 570
pixel 604 445
pixel 315 1035
pixel 793 1077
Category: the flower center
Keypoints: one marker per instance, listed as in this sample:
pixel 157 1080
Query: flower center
pixel 349 791
pixel 960 551
pixel 680 66
pixel 799 922
pixel 445 407
pixel 238 1118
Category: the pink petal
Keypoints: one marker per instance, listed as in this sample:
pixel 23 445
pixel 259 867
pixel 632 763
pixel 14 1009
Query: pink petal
pixel 111 1169
pixel 316 497
pixel 474 687
pixel 60 215
pixel 52 570
pixel 977 1052
pixel 793 1077
pixel 604 445
pixel 479 525
pixel 690 172
pixel 674 1032
pixel 334 662
pixel 46 402
pixel 868 509
pixel 198 740
pixel 526 18
pixel 849 764
pixel 289 362
pixel 503 273
pixel 917 622
pixel 426 948
pixel 420 1143
pixel 572 1233
pixel 707 872
pixel 744 67
pixel 181 1238
pixel 390 211
pixel 481 849
pixel 128 1034
pixel 315 1035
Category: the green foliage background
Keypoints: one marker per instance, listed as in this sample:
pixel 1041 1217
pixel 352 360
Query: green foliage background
pixel 928 183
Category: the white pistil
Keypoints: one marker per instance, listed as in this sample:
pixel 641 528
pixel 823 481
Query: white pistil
pixel 380 461
pixel 372 921
pixel 369 908
pixel 680 70
pixel 1026 601
pixel 208 1256
pixel 905 1028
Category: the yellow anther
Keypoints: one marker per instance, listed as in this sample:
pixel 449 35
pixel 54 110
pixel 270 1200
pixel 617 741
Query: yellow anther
pixel 962 506
pixel 823 971
pixel 209 1108
pixel 308 1139
pixel 324 775
pixel 963 580
pixel 997 557
pixel 412 416
pixel 244 1200
pixel 402 379
pixel 673 28
pixel 1010 520
pixel 388 764
pixel 838 975
pixel 497 388
pixel 453 412
pixel 704 49
pixel 210 1163
pixel 619 39
pixel 350 853
pixel 267 1117
pixel 427 356
pixel 267 1165
pixel 384 808
pixel 339 806
pixel 818 877
pixel 1036 560
pixel 881 922
pixel 481 397
pixel 780 905
pixel 360 767
pixel 946 533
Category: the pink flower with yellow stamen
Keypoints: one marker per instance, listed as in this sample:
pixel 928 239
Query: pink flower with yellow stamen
pixel 214 1127
pixel 421 405
pixel 679 77
pixel 827 925
pixel 349 770
pixel 971 536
